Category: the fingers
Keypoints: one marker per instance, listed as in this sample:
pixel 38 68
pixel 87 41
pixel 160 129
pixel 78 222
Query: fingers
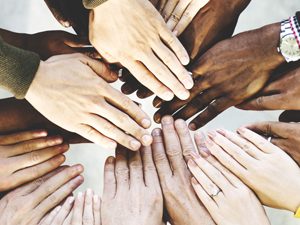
pixel 212 111
pixel 136 169
pixel 185 138
pixel 30 146
pixel 290 116
pixel 88 216
pixel 234 150
pixel 122 170
pixel 97 210
pixel 36 157
pixel 174 44
pixel 169 8
pixel 56 182
pixel 64 211
pixel 190 12
pixel 47 220
pixel 58 195
pixel 31 173
pixel 101 69
pixel 22 136
pixel 110 183
pixel 159 156
pixel 176 14
pixel 261 143
pixel 94 136
pixel 77 214
pixel 172 144
pixel 165 76
pixel 150 173
pixel 146 78
pixel 265 103
pixel 144 92
pixel 273 129
pixel 171 61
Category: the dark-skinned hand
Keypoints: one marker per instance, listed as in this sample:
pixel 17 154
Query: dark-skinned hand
pixel 213 23
pixel 226 75
pixel 285 135
pixel 281 94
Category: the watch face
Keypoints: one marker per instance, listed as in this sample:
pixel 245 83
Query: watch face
pixel 290 47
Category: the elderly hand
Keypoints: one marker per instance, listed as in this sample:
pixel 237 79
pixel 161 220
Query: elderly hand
pixel 69 91
pixel 226 75
pixel 139 39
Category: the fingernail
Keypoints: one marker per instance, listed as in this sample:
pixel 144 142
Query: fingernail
pixel 185 60
pixel 175 32
pixel 135 144
pixel 194 181
pixel 89 192
pixel 55 141
pixel 157 117
pixel 168 96
pixel 184 95
pixel 156 132
pixel 64 147
pixel 241 130
pixel 66 23
pixel 190 73
pixel 191 163
pixel 78 168
pixel 146 123
pixel 79 196
pixel 195 155
pixel 188 83
pixel 58 208
pixel 192 126
pixel 212 134
pixel 147 140
pixel 111 145
pixel 167 120
pixel 110 159
pixel 96 198
pixel 221 131
pixel 71 200
pixel 41 134
pixel 204 151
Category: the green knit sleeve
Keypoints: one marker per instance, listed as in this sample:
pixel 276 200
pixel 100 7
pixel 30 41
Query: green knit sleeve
pixel 17 69
pixel 90 4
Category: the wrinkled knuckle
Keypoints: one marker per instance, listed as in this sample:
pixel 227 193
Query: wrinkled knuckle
pixel 160 158
pixel 108 127
pixel 38 182
pixel 126 102
pixel 35 157
pixel 122 172
pixel 149 167
pixel 174 151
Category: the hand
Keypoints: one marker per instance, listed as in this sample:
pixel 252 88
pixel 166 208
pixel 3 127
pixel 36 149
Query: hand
pixel 229 73
pixel 284 135
pixel 82 210
pixel 282 94
pixel 30 203
pixel 146 47
pixel 131 193
pixel 216 21
pixel 51 43
pixel 70 13
pixel 69 91
pixel 255 161
pixel 228 200
pixel 179 14
pixel 19 115
pixel 171 149
pixel 27 156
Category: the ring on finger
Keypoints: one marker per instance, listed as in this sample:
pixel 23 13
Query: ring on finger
pixel 216 193
pixel 175 17
pixel 269 139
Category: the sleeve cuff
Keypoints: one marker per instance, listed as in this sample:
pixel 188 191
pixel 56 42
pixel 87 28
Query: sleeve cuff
pixel 90 4
pixel 17 69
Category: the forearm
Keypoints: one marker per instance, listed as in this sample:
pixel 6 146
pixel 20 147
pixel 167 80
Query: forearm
pixel 19 115
pixel 15 39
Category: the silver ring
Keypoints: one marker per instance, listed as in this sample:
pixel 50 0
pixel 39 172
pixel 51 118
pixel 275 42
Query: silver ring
pixel 216 194
pixel 269 139
pixel 175 17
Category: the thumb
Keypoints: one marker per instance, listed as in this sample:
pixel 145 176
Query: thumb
pixel 102 69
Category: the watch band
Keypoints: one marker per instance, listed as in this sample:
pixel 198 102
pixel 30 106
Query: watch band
pixel 295 28
pixel 298 16
pixel 297 213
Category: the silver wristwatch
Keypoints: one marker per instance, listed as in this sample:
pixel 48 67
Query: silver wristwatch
pixel 290 40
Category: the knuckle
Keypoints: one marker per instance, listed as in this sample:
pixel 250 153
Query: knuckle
pixel 160 158
pixel 34 157
pixel 126 102
pixel 108 127
pixel 174 151
pixel 148 167
pixel 187 14
pixel 122 171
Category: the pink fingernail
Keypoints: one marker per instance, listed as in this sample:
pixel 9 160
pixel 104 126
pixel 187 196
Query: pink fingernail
pixel 135 145
pixel 221 131
pixel 71 200
pixel 195 155
pixel 192 126
pixel 191 163
pixel 146 123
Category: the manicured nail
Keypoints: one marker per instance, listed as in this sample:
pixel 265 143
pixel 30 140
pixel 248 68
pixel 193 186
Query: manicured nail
pixel 191 163
pixel 222 131
pixel 194 181
pixel 110 159
pixel 96 198
pixel 146 123
pixel 78 168
pixel 241 130
pixel 156 132
pixel 167 120
pixel 192 126
pixel 184 95
pixel 188 83
pixel 135 144
pixel 71 200
pixel 195 155
pixel 212 134
pixel 167 96
pixel 147 140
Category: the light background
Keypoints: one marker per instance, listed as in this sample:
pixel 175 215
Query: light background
pixel 32 16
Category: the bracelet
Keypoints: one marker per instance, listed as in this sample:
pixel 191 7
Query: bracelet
pixel 297 213
pixel 295 28
pixel 298 16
